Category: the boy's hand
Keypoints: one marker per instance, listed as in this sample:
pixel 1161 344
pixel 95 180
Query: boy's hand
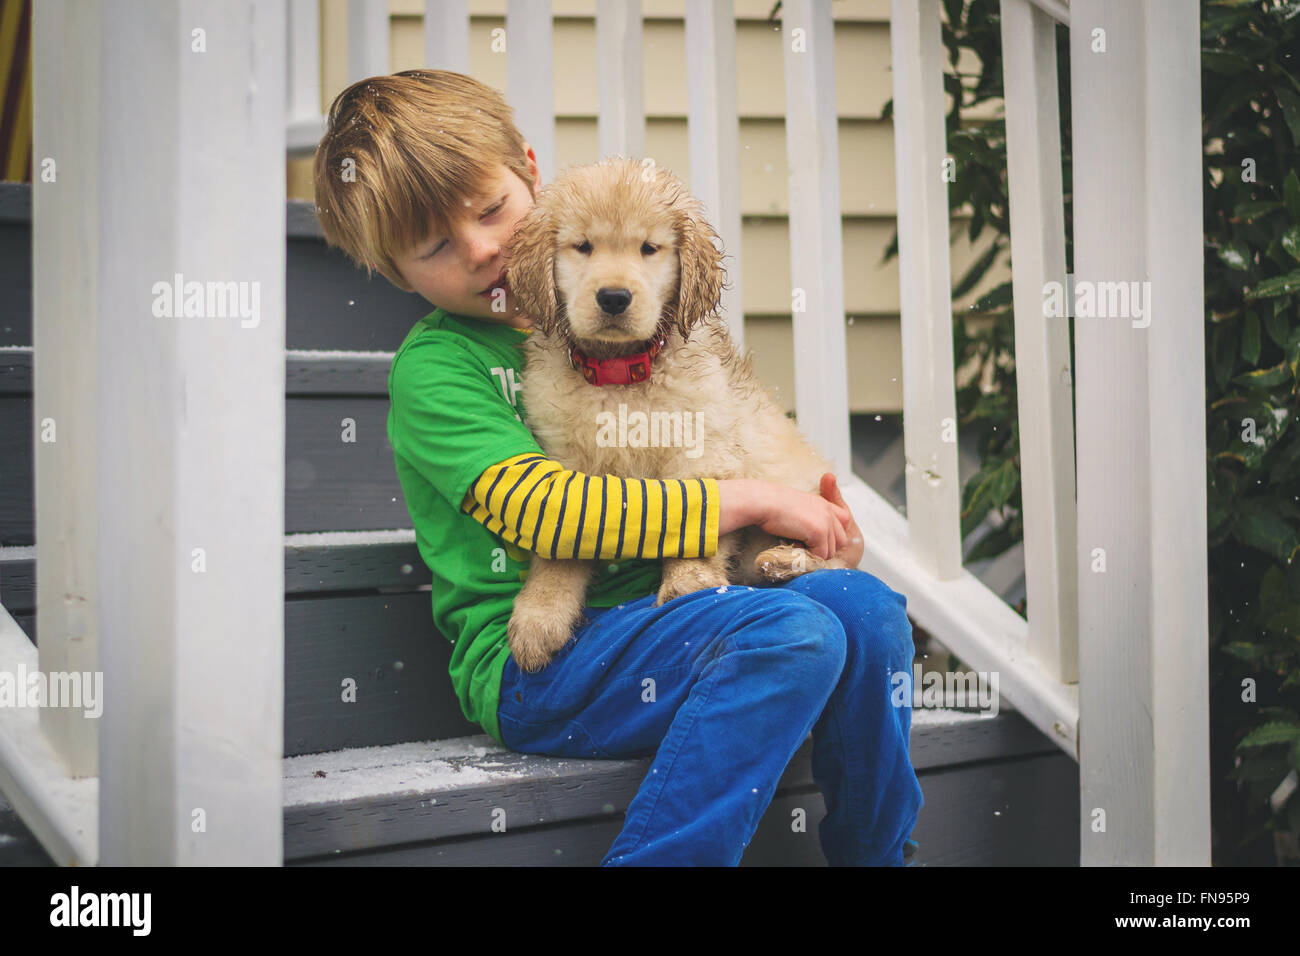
pixel 851 553
pixel 822 525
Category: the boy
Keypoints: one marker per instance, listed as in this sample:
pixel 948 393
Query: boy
pixel 423 177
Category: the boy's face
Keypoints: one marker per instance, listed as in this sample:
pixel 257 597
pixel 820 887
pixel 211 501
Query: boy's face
pixel 453 271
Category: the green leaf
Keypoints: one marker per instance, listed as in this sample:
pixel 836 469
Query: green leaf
pixel 1285 621
pixel 1265 377
pixel 1244 651
pixel 1286 469
pixel 993 544
pixel 1291 354
pixel 1278 285
pixel 1223 356
pixel 976 271
pixel 1291 194
pixel 1272 590
pixel 952 8
pixel 1275 321
pixel 1250 339
pixel 1235 255
pixel 995 299
pixel 1274 732
pixel 892 249
pixel 992 406
pixel 1264 532
pixel 1250 211
pixel 989 488
pixel 1291 241
pixel 1270 424
pixel 1267 766
pixel 1290 103
pixel 1225 64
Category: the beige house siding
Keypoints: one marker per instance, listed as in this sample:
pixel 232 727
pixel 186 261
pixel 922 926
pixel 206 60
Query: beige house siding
pixel 866 155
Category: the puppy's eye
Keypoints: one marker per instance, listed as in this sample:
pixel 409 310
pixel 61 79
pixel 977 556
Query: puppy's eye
pixel 647 249
pixel 584 247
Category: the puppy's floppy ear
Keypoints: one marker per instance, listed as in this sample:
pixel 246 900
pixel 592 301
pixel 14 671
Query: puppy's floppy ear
pixel 530 268
pixel 700 278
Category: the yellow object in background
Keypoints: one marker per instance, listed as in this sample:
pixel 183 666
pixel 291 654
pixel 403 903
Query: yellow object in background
pixel 16 90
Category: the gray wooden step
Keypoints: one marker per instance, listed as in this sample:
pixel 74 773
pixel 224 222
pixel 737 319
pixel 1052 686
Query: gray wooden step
pixel 996 793
pixel 357 604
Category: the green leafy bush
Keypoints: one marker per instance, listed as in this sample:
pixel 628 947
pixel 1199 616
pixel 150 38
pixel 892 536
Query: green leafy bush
pixel 1250 88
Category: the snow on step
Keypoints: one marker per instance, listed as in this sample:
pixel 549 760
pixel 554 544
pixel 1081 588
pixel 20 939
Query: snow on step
pixel 941 716
pixel 422 767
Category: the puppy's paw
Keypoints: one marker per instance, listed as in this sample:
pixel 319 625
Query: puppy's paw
pixel 536 636
pixel 687 578
pixel 785 562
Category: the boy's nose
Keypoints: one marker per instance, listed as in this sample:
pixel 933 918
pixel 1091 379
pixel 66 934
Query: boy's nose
pixel 483 244
pixel 484 249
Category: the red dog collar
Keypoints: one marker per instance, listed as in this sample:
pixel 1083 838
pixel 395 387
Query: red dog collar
pixel 624 370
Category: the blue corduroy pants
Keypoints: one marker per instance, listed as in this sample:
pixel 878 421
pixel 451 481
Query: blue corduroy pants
pixel 721 687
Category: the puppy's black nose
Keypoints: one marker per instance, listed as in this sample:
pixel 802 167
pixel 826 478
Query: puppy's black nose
pixel 614 301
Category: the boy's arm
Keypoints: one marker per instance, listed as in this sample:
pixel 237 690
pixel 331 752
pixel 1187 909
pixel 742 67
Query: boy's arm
pixel 451 422
pixel 533 502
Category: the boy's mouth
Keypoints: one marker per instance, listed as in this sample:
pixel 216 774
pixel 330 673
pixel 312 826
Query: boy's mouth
pixel 499 284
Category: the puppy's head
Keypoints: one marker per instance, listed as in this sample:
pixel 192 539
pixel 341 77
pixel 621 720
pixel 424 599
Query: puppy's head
pixel 613 251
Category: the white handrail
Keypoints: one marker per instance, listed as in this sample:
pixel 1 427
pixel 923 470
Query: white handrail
pixel 60 810
pixel 1058 10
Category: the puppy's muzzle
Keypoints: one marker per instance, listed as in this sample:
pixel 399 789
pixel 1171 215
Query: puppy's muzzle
pixel 614 301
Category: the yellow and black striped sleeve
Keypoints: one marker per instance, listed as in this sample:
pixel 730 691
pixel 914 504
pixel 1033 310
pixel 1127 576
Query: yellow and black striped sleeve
pixel 536 504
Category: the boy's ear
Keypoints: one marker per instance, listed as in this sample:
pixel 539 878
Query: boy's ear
pixel 530 269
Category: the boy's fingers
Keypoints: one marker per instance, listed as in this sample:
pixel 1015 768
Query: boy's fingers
pixel 831 489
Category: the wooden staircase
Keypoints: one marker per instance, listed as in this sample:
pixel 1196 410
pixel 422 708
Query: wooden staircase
pixel 398 777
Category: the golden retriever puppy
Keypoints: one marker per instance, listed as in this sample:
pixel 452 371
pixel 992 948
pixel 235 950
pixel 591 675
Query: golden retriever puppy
pixel 615 261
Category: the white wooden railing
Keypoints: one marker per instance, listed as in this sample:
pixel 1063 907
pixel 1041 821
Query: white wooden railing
pixel 1093 638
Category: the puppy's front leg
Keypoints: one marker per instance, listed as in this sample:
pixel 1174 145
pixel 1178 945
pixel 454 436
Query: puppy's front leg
pixel 547 610
pixel 684 575
pixel 767 559
pixel 784 562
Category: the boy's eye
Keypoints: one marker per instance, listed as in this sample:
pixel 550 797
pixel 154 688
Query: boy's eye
pixel 584 247
pixel 431 254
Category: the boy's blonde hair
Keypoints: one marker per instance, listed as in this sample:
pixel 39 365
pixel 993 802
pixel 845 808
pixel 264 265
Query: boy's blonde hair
pixel 421 143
